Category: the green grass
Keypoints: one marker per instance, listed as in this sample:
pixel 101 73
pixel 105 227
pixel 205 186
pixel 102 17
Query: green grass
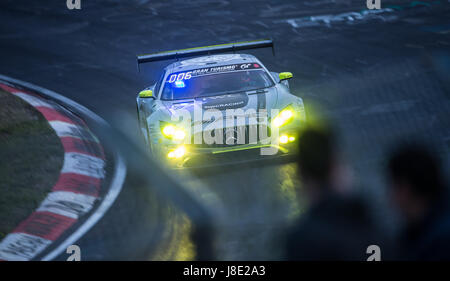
pixel 31 157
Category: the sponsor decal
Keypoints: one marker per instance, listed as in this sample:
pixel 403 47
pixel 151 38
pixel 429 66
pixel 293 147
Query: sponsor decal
pixel 223 102
pixel 180 76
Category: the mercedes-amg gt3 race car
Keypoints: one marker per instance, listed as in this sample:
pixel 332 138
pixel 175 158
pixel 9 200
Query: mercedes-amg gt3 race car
pixel 216 104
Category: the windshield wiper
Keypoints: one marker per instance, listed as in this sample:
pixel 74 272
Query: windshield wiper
pixel 251 92
pixel 258 91
pixel 254 91
pixel 220 94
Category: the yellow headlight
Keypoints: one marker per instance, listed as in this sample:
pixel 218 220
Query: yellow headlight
pixel 179 135
pixel 171 131
pixel 282 118
pixel 284 139
pixel 177 153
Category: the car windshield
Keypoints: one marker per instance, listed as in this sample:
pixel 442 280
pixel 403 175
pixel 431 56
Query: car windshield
pixel 189 87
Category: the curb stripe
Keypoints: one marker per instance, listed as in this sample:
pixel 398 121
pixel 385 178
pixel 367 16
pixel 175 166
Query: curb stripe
pixel 64 129
pixel 62 114
pixel 71 144
pixel 116 186
pixel 12 90
pixel 76 190
pixel 46 225
pixel 83 164
pixel 33 100
pixel 67 204
pixel 22 246
pixel 78 184
pixel 52 114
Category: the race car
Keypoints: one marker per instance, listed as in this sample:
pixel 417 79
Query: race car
pixel 218 104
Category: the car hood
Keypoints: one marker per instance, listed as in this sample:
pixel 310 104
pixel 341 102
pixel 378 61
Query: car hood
pixel 256 100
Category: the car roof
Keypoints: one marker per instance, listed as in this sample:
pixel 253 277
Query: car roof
pixel 209 61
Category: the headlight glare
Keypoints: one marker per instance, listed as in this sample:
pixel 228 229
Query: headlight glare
pixel 283 117
pixel 168 130
pixel 174 132
pixel 179 135
pixel 177 153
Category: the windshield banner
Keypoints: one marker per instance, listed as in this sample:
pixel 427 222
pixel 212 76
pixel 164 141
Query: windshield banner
pixel 211 70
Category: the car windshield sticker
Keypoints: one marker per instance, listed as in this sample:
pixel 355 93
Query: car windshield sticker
pixel 211 70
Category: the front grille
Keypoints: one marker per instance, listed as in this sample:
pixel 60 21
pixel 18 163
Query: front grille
pixel 239 135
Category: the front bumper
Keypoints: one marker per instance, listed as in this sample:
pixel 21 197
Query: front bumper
pixel 283 143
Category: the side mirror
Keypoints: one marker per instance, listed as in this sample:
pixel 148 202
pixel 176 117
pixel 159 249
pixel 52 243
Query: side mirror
pixel 146 94
pixel 285 75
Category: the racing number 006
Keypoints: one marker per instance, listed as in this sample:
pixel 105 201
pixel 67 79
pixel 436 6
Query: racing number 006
pixel 180 76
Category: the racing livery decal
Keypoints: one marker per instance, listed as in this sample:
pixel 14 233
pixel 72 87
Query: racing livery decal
pixel 211 70
pixel 225 101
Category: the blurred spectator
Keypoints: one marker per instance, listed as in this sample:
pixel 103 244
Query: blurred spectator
pixel 337 225
pixel 419 194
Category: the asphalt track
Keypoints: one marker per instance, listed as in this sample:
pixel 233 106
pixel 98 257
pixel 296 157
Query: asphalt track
pixel 379 77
